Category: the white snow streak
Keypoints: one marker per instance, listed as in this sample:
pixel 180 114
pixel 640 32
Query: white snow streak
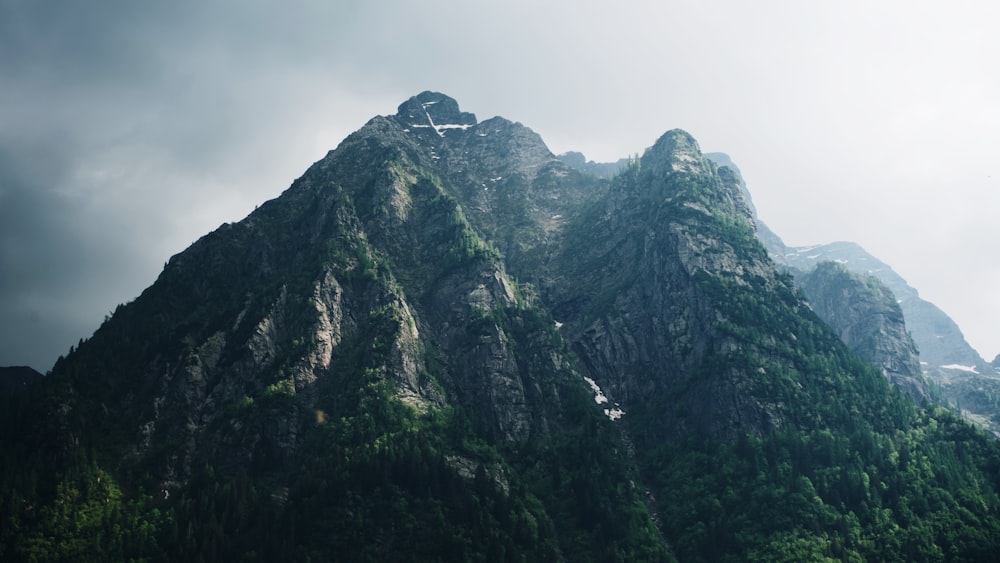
pixel 600 398
pixel 959 367
pixel 614 414
pixel 439 129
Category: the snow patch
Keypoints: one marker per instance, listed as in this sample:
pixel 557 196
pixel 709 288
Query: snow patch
pixel 960 367
pixel 462 126
pixel 599 397
pixel 440 128
pixel 615 412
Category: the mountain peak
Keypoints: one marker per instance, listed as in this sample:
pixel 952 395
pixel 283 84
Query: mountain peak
pixel 435 111
pixel 675 151
pixel 428 342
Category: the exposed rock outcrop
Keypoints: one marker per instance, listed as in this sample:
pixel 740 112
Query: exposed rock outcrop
pixel 866 316
pixel 442 342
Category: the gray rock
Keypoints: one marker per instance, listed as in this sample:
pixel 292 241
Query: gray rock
pixel 866 316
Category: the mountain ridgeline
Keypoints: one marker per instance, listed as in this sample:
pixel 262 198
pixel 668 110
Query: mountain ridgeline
pixel 854 292
pixel 442 342
pixel 959 375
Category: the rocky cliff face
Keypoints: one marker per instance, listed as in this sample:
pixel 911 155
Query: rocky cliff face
pixel 606 170
pixel 866 316
pixel 674 301
pixel 418 255
pixel 638 311
pixel 964 378
pixel 369 263
pixel 966 381
pixel 372 296
pixel 445 342
pixel 940 340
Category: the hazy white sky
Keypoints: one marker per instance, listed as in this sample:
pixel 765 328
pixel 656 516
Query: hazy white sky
pixel 128 130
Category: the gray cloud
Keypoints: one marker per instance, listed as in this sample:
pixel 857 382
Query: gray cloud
pixel 129 130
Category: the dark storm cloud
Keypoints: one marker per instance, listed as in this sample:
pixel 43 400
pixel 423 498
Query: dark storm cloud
pixel 80 80
pixel 129 129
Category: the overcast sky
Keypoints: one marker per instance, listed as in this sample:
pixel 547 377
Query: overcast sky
pixel 129 129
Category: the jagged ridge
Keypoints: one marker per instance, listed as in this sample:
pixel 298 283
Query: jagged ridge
pixel 444 342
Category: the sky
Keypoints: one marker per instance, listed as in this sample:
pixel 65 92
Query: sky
pixel 130 129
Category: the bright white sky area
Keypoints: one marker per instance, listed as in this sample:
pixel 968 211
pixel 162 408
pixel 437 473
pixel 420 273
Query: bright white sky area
pixel 128 129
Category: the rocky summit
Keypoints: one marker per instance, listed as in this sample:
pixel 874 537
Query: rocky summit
pixel 443 342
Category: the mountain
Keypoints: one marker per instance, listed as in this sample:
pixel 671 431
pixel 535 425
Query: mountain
pixel 958 376
pixel 940 340
pixel 350 372
pixel 866 315
pixel 442 342
pixel 606 170
pixel 963 377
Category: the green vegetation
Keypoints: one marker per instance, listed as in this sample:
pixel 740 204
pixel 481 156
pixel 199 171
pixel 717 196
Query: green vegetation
pixel 924 494
pixel 826 461
pixel 370 479
pixel 352 374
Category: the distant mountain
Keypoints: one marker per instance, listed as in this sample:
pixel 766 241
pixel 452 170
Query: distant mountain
pixel 443 343
pixel 865 314
pixel 965 379
pixel 960 376
pixel 606 170
pixel 940 340
pixel 15 379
